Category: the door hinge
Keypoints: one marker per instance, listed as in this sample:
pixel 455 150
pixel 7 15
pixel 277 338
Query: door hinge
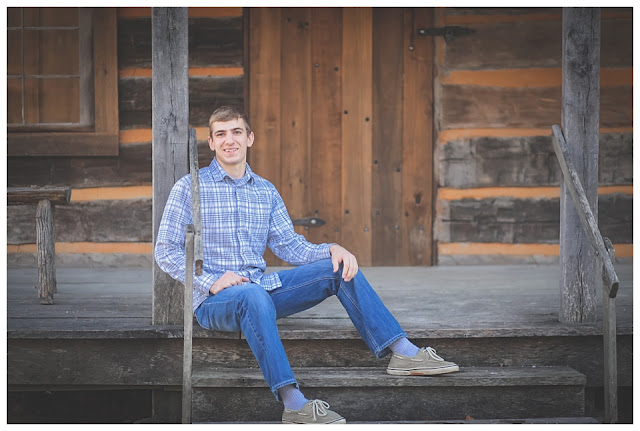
pixel 449 32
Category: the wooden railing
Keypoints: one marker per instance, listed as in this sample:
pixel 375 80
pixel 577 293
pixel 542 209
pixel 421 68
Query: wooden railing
pixel 193 245
pixel 603 249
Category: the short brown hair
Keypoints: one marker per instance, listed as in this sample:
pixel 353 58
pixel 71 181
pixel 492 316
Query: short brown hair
pixel 228 113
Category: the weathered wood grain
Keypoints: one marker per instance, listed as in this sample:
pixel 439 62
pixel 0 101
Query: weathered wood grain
pixel 527 221
pixel 357 87
pixel 33 195
pixel 170 104
pixel 296 111
pixel 194 171
pixel 212 42
pixel 417 141
pixel 610 345
pixel 92 221
pixel 388 234
pixel 588 217
pixel 187 309
pixel 265 97
pixel 506 45
pixel 525 161
pixel 131 167
pixel 326 124
pixel 465 106
pixel 205 94
pixel 581 109
pixel 46 240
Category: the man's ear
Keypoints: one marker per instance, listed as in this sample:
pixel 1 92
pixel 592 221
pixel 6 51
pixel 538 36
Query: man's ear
pixel 211 144
pixel 250 139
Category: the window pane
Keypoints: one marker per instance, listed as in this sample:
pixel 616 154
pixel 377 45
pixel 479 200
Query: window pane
pixel 52 100
pixel 14 17
pixel 51 52
pixel 14 52
pixel 51 17
pixel 14 100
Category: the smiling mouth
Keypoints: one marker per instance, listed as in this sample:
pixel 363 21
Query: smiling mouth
pixel 230 150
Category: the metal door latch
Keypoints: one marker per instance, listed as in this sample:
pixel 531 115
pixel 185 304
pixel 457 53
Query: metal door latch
pixel 308 222
pixel 449 32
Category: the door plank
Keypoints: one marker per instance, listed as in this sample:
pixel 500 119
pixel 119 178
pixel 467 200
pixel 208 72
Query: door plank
pixel 357 103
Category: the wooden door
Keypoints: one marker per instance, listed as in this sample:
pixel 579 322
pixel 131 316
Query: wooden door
pixel 341 103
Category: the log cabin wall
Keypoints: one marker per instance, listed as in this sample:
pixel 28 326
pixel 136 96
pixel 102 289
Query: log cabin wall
pixel 108 221
pixel 497 93
pixel 496 182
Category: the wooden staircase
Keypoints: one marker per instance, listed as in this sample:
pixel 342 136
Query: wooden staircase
pixel 228 386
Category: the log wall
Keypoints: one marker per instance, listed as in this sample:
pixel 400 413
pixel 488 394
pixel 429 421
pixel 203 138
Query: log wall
pixel 496 95
pixel 498 92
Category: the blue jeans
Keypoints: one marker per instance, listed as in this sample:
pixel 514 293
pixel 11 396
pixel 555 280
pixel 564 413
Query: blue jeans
pixel 251 309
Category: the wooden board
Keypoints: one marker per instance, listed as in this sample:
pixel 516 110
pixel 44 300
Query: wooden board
pixel 485 107
pixel 528 221
pixel 530 43
pixel 525 161
pixel 295 144
pixel 212 42
pixel 357 103
pixel 97 221
pixel 204 95
pixel 417 128
pixel 388 235
pixel 326 124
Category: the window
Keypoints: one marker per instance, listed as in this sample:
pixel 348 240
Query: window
pixel 62 96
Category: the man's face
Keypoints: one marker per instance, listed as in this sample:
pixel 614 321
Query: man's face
pixel 230 142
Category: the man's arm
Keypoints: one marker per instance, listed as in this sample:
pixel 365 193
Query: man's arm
pixel 295 249
pixel 169 250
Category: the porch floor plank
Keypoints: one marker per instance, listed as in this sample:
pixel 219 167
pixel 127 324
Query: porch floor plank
pixel 429 302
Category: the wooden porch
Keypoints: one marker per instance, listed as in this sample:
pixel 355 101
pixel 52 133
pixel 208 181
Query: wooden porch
pixel 489 319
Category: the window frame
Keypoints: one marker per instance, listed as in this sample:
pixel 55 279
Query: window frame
pixel 102 139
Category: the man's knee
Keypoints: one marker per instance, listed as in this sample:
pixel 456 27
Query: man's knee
pixel 255 300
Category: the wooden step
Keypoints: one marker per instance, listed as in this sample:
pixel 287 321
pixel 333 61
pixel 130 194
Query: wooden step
pixel 369 394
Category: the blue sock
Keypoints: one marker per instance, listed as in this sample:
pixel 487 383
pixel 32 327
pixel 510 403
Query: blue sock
pixel 404 347
pixel 292 397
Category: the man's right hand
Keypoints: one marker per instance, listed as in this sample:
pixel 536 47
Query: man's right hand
pixel 228 279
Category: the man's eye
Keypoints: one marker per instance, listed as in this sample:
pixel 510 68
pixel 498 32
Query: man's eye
pixel 238 132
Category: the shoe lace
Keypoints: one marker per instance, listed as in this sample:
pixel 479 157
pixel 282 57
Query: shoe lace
pixel 318 408
pixel 432 353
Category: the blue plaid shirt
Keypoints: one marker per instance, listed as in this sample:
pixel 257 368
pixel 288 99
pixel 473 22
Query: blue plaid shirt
pixel 239 219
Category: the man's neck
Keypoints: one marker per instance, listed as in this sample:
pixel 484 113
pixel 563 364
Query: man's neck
pixel 234 171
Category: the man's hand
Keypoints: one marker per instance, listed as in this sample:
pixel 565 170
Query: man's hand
pixel 339 255
pixel 228 279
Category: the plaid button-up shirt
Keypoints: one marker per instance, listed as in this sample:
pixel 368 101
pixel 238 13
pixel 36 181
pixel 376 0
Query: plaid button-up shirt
pixel 239 219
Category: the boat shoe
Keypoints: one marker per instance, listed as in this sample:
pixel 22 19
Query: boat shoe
pixel 425 363
pixel 313 412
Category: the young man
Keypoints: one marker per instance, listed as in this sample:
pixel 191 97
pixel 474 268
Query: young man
pixel 242 214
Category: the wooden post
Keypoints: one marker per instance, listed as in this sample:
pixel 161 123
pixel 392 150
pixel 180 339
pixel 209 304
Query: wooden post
pixel 188 326
pixel 610 349
pixel 170 105
pixel 45 238
pixel 580 124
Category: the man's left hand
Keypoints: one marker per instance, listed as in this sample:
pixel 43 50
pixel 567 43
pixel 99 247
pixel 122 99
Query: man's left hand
pixel 339 255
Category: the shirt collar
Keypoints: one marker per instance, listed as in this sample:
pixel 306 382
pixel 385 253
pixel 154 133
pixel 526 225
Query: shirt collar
pixel 220 174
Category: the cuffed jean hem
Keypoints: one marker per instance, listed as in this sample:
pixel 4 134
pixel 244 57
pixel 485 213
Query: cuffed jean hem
pixel 384 350
pixel 282 385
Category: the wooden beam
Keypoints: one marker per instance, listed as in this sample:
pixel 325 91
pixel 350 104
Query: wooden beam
pixel 580 125
pixel 46 252
pixel 187 353
pixel 33 195
pixel 170 105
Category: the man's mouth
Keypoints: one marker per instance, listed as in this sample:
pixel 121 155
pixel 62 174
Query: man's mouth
pixel 230 150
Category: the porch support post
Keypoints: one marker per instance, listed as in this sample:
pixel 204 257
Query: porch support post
pixel 580 272
pixel 170 107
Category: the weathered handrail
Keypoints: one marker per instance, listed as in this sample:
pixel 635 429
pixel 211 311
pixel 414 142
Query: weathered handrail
pixel 193 246
pixel 589 223
pixel 604 249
